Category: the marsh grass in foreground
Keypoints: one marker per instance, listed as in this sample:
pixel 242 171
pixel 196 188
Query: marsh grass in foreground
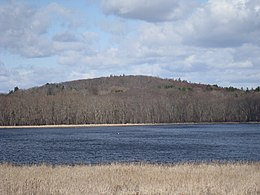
pixel 230 178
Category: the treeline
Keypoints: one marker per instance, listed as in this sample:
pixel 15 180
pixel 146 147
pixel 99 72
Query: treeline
pixel 128 99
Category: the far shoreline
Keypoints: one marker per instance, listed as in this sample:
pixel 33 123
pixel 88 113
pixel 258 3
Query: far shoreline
pixel 118 125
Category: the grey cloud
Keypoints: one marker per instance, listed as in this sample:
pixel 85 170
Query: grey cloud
pixel 65 37
pixel 73 48
pixel 151 11
pixel 250 52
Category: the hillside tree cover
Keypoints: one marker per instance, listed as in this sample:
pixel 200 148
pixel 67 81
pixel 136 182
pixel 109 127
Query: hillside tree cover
pixel 128 99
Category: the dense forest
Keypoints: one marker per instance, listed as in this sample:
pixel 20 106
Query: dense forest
pixel 128 99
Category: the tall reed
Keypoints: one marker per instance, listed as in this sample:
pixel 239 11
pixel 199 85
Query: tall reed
pixel 214 178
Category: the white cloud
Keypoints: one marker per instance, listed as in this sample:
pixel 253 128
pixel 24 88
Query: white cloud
pixel 216 23
pixel 215 42
pixel 220 38
pixel 223 23
pixel 11 77
pixel 23 29
pixel 103 60
pixel 115 27
pixel 27 76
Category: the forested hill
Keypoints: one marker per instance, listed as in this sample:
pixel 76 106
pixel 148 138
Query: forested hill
pixel 128 99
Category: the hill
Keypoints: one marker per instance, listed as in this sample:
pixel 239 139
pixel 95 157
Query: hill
pixel 128 99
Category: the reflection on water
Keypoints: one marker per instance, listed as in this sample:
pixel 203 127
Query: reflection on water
pixel 156 144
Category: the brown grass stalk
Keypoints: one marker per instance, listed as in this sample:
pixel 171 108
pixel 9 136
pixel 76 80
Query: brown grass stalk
pixel 214 178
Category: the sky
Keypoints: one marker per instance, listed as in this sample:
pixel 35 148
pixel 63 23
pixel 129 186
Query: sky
pixel 202 41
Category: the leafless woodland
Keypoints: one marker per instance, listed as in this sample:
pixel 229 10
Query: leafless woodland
pixel 128 99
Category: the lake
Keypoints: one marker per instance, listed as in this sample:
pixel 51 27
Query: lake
pixel 154 144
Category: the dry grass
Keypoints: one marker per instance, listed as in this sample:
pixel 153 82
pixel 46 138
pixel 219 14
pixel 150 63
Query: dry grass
pixel 238 178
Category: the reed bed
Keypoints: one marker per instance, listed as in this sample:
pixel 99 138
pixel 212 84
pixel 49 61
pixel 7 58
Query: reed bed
pixel 213 178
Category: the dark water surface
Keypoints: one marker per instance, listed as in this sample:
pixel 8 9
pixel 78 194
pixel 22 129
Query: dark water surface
pixel 156 144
